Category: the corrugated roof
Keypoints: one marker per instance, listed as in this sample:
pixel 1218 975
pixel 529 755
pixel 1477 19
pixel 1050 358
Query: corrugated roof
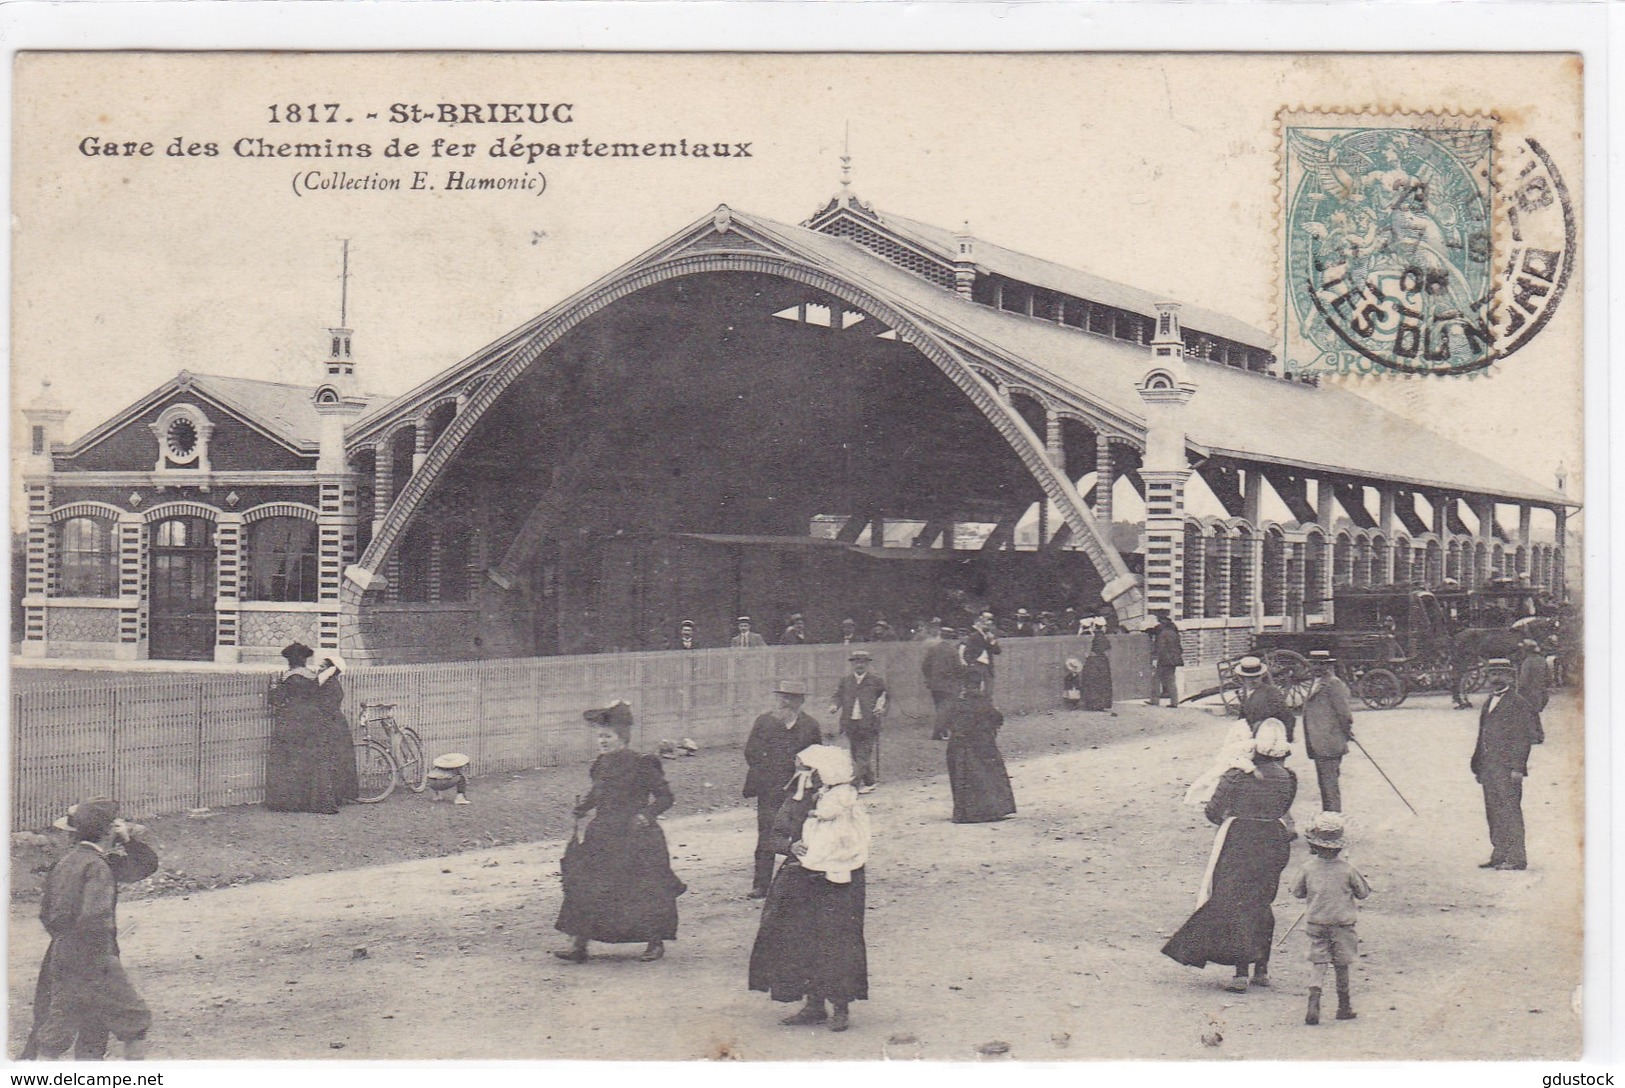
pixel 1234 412
pixel 1075 282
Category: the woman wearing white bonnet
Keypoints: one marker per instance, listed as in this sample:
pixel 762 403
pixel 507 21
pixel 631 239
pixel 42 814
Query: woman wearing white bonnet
pixel 810 944
pixel 1234 922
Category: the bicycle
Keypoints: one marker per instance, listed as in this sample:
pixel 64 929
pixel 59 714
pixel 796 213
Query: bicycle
pixel 381 763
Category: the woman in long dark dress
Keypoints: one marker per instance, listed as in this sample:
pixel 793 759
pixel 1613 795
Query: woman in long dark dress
pixel 976 772
pixel 299 760
pixel 1234 922
pixel 619 887
pixel 1097 673
pixel 809 946
pixel 340 741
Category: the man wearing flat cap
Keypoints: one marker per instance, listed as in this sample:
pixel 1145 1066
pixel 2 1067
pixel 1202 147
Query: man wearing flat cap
pixel 770 756
pixel 860 706
pixel 943 677
pixel 746 639
pixel 83 994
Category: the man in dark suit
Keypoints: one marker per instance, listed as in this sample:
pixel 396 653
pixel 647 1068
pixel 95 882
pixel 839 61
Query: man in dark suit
pixel 796 633
pixel 1167 658
pixel 1261 699
pixel 942 673
pixel 1534 678
pixel 860 706
pixel 1507 727
pixel 686 639
pixel 770 756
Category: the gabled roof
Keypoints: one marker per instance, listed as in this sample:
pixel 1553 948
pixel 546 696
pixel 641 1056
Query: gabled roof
pixel 1025 268
pixel 1234 412
pixel 280 410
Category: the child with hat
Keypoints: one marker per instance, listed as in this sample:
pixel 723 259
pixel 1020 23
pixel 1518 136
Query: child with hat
pixel 1332 886
pixel 450 774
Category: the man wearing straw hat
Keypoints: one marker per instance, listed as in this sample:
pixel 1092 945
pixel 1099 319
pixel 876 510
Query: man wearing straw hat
pixel 83 994
pixel 770 756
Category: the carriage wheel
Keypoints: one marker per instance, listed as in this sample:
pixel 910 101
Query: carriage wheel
pixel 1380 689
pixel 1476 678
pixel 1290 672
pixel 375 771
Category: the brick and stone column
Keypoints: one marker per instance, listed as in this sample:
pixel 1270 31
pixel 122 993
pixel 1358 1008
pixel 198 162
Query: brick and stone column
pixel 1105 477
pixel 230 574
pixel 132 588
pixel 383 482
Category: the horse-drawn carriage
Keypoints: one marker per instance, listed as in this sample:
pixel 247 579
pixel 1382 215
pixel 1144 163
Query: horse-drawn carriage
pixel 1392 641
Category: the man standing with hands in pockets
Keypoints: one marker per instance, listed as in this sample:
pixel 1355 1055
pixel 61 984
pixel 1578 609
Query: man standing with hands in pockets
pixel 860 705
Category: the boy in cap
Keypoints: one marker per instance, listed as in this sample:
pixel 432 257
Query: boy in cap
pixel 83 994
pixel 770 756
pixel 1332 886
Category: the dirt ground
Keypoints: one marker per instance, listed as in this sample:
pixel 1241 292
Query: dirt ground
pixel 1040 933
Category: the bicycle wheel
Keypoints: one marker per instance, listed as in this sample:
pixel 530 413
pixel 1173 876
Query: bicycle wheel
pixel 414 768
pixel 375 772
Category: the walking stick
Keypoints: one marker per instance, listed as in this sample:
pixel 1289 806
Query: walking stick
pixel 1301 916
pixel 1385 777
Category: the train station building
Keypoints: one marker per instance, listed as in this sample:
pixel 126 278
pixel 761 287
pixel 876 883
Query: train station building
pixel 861 414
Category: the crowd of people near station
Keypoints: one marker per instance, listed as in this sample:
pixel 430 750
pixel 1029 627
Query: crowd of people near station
pixel 813 830
pixel 1019 623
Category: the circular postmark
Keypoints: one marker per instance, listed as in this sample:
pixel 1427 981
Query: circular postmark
pixel 1402 257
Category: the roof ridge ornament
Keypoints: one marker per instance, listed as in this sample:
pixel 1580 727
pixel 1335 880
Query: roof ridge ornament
pixel 722 219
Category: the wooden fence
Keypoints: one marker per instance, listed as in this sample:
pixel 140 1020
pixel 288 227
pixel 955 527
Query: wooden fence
pixel 163 744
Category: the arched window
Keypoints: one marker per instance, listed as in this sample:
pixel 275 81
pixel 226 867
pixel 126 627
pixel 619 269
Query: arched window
pixel 1194 561
pixel 1274 573
pixel 1362 561
pixel 1343 561
pixel 1213 601
pixel 1402 561
pixel 1481 569
pixel 1314 574
pixel 1241 569
pixel 1498 562
pixel 1452 561
pixel 282 564
pixel 1433 572
pixel 87 558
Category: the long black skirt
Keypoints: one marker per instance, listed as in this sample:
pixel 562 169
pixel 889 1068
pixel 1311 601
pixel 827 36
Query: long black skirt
pixel 619 887
pixel 299 773
pixel 810 941
pixel 980 784
pixel 1097 683
pixel 1237 923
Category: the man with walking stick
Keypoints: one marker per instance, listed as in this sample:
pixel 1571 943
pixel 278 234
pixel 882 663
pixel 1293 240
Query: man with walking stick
pixel 1328 726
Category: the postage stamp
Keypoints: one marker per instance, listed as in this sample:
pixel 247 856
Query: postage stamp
pixel 1388 234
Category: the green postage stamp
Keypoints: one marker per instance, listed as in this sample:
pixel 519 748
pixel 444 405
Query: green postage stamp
pixel 1400 252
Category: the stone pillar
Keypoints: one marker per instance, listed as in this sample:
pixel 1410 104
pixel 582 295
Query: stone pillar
pixel 1559 553
pixel 1105 477
pixel 436 559
pixel 1252 487
pixel 420 430
pixel 383 482
pixel 332 525
pixel 37 579
pixel 1483 509
pixel 1054 449
pixel 1441 504
pixel 1524 512
pixel 1165 540
pixel 1325 507
pixel 229 576
pixel 132 588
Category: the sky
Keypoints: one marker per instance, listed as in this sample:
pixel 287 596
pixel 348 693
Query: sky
pixel 1154 170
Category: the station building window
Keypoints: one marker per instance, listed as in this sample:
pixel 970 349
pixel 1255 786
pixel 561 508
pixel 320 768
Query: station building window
pixel 282 562
pixel 87 558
